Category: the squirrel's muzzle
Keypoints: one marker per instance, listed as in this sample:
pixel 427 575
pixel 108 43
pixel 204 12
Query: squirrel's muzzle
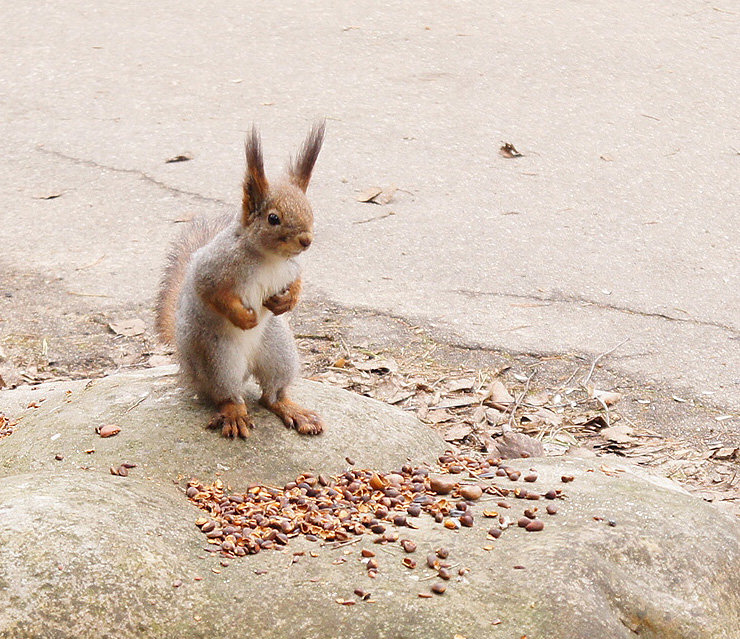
pixel 305 240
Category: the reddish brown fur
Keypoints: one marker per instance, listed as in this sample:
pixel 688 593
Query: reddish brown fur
pixel 233 419
pixel 229 304
pixel 285 301
pixel 255 186
pixel 303 420
pixel 300 170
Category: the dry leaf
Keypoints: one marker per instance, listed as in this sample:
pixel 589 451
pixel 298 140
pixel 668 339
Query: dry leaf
pixel 514 445
pixel 495 417
pixel 369 195
pixel 438 416
pixel 543 416
pixel 591 419
pixel 620 434
pixel 460 385
pixel 609 398
pixel 497 394
pixel 508 151
pixel 376 195
pixel 377 364
pixel 725 453
pixel 128 328
pixel 185 157
pixel 457 432
pixel 479 414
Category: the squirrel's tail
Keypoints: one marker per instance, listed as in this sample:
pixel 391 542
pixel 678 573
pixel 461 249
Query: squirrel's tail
pixel 197 234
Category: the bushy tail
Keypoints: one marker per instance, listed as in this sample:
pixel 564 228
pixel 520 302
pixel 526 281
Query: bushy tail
pixel 198 233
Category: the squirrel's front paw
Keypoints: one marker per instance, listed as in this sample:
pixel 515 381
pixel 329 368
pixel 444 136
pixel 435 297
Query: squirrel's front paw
pixel 281 302
pixel 245 319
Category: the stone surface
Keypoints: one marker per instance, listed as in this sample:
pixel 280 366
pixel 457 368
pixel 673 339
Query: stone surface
pixel 84 553
pixel 163 431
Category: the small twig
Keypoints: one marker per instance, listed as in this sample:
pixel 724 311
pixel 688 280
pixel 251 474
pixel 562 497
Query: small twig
pixel 377 217
pixel 136 403
pixel 600 357
pixel 436 574
pixel 342 544
pixel 569 380
pixel 100 259
pixel 509 427
pixel 87 294
pixel 346 348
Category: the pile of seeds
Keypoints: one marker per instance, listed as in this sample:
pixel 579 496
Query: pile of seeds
pixel 358 502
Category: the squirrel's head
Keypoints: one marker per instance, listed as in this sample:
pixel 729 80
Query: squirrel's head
pixel 279 218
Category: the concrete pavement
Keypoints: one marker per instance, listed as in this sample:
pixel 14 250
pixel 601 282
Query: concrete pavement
pixel 619 222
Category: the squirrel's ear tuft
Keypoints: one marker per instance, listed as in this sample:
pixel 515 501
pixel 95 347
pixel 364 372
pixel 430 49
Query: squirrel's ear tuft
pixel 255 187
pixel 300 169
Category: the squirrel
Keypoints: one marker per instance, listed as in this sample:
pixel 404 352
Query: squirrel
pixel 226 285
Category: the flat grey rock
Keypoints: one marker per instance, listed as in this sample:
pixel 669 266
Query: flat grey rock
pixel 163 431
pixel 84 553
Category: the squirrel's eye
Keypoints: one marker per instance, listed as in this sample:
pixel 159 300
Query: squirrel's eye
pixel 273 219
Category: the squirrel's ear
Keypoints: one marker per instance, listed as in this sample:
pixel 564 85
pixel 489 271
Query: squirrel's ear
pixel 255 187
pixel 300 169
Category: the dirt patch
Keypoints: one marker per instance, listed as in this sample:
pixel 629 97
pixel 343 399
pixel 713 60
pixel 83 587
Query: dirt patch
pixel 569 402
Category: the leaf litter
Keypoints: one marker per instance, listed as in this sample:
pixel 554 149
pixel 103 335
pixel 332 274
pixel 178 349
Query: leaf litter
pixel 496 411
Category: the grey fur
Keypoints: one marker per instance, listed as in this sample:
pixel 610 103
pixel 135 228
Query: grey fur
pixel 226 286
pixel 216 356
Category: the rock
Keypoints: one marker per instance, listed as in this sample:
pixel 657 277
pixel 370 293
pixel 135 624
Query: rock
pixel 163 431
pixel 85 553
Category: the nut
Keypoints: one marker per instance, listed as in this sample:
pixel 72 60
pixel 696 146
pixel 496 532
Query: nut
pixel 534 525
pixel 441 485
pixel 471 492
pixel 108 430
pixel 408 545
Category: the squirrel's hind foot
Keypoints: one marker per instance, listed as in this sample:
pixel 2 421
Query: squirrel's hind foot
pixel 305 421
pixel 233 420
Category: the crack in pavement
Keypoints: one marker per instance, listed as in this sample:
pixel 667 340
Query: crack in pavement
pixel 135 172
pixel 560 299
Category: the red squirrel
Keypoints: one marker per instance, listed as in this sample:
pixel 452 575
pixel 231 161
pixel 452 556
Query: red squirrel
pixel 227 283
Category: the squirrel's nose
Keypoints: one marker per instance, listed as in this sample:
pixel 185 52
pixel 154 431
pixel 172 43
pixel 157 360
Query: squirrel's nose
pixel 305 240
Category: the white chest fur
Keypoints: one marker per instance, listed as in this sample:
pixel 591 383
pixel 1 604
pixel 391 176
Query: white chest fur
pixel 263 282
pixel 266 280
